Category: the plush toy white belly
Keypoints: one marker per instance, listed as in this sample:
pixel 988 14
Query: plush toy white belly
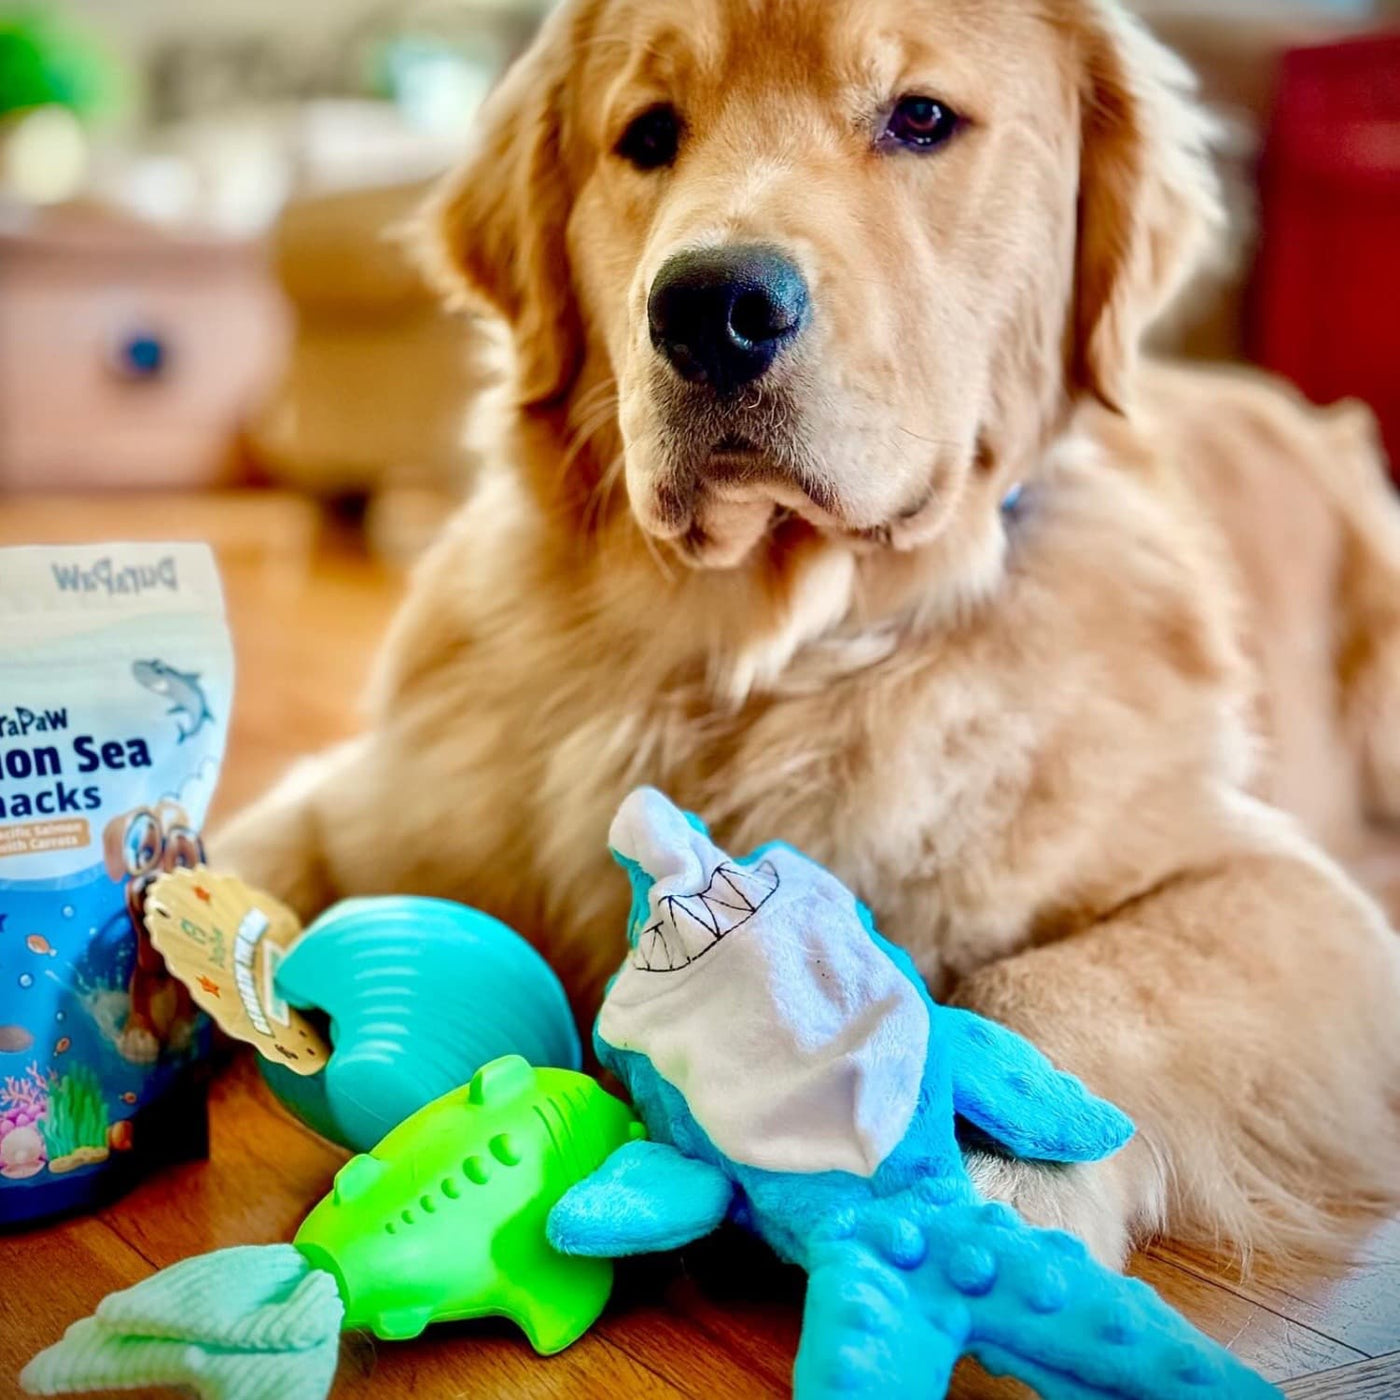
pixel 758 993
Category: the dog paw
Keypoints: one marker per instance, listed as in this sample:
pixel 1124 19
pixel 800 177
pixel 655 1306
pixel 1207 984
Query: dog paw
pixel 1082 1198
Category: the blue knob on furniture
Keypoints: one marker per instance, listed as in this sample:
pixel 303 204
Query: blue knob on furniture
pixel 141 356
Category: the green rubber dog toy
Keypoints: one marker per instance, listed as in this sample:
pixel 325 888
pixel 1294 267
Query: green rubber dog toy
pixel 443 1220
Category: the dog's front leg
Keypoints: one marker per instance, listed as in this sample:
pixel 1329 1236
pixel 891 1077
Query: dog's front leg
pixel 1247 1016
pixel 281 842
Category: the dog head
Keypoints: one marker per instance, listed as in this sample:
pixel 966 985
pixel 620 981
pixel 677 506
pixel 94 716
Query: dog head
pixel 850 262
pixel 140 846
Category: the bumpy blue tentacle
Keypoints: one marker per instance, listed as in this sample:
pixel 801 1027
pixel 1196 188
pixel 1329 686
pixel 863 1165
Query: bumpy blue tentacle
pixel 907 1286
pixel 867 1334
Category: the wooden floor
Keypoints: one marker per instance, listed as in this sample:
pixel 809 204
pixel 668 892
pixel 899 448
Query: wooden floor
pixel 721 1320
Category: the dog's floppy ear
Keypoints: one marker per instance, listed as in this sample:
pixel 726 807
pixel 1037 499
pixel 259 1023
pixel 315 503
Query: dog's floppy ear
pixel 1149 199
pixel 493 232
pixel 113 838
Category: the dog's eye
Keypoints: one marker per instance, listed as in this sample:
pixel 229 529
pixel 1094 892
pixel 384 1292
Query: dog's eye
pixel 921 123
pixel 652 139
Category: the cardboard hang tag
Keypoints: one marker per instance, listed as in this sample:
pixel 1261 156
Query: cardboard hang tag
pixel 224 941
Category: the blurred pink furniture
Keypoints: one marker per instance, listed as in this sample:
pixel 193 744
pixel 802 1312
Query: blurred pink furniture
pixel 128 357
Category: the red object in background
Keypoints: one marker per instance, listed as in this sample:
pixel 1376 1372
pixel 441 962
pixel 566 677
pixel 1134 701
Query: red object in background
pixel 1327 292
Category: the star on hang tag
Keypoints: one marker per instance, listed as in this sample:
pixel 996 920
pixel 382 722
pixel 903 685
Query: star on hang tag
pixel 217 934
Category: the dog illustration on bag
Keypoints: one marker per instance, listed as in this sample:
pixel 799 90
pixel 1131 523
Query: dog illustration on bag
pixel 138 847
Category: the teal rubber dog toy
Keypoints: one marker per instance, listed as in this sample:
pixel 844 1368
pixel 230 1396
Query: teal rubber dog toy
pixel 796 1077
pixel 420 993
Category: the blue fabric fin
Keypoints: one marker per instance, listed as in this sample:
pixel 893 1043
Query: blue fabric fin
pixel 645 1198
pixel 1004 1085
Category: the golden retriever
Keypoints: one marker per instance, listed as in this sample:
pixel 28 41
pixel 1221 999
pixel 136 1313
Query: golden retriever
pixel 831 497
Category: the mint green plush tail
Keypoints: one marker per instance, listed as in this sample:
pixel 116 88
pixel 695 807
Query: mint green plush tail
pixel 256 1323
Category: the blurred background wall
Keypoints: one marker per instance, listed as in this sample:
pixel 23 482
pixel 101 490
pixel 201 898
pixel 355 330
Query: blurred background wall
pixel 197 291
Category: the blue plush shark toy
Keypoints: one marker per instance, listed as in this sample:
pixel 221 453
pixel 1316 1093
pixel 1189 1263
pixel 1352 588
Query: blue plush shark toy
pixel 796 1077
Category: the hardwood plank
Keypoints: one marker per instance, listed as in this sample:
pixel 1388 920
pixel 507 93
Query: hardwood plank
pixel 971 1382
pixel 664 1336
pixel 1275 1346
pixel 264 1173
pixel 734 1295
pixel 1376 1379
pixel 490 1359
pixel 1360 1306
pixel 53 1276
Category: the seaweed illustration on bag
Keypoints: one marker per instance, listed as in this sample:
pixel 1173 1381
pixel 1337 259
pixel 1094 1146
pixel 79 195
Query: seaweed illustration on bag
pixel 75 1129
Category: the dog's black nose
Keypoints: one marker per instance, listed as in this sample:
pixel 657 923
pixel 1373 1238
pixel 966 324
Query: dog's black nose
pixel 721 315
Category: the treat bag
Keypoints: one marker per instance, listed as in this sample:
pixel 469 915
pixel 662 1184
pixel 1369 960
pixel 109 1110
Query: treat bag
pixel 116 678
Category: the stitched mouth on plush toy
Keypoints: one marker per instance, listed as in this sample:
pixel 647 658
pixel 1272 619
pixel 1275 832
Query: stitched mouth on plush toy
pixel 687 927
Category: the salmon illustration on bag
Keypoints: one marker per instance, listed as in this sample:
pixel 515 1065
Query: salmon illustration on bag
pixel 116 676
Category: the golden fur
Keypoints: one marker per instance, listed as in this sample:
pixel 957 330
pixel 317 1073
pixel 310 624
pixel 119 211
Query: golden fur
pixel 1050 747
